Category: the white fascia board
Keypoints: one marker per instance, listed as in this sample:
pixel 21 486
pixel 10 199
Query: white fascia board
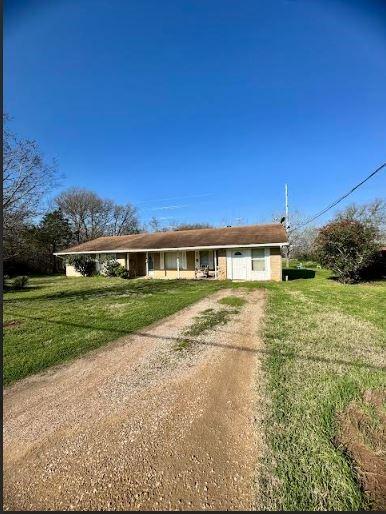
pixel 217 247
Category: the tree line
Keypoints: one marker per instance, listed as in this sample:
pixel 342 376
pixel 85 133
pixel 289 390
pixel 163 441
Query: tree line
pixel 33 231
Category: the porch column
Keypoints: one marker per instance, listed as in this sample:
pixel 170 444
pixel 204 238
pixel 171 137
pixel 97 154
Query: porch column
pixel 128 261
pixel 215 263
pixel 147 264
pixel 178 266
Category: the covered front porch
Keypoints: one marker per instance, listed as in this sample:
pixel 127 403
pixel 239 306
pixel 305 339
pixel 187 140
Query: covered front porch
pixel 174 264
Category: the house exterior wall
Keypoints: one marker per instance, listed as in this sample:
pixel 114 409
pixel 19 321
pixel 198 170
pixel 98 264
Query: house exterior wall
pixel 276 264
pixel 222 265
pixel 71 271
pixel 190 261
pixel 187 273
pixel 171 273
pixel 136 262
pixel 122 259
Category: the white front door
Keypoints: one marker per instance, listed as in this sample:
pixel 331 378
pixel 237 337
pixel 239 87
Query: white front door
pixel 239 266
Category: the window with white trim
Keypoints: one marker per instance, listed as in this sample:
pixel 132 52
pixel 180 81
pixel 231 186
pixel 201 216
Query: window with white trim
pixel 258 259
pixel 171 260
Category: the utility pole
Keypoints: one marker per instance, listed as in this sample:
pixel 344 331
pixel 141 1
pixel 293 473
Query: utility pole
pixel 286 220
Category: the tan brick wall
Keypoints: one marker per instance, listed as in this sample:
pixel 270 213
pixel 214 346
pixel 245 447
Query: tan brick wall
pixel 71 271
pixel 222 265
pixel 171 273
pixel 275 261
pixel 122 259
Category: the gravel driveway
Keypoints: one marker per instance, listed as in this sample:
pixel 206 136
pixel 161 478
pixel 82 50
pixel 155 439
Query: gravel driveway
pixel 139 425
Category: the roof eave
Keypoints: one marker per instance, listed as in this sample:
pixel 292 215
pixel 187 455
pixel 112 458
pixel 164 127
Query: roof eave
pixel 171 249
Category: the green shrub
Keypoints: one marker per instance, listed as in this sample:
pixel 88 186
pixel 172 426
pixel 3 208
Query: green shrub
pixel 122 272
pixel 84 264
pixel 112 268
pixel 20 282
pixel 347 247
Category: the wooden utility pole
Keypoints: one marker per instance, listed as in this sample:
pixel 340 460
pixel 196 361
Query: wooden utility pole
pixel 286 220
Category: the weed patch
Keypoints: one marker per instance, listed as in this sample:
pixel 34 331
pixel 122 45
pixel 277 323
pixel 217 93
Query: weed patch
pixel 233 301
pixel 206 320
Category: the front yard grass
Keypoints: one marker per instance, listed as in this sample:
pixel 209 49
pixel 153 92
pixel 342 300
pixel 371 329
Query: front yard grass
pixel 56 318
pixel 325 347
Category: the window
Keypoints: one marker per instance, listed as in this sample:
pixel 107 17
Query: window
pixel 171 260
pixel 206 258
pixel 258 259
pixel 150 262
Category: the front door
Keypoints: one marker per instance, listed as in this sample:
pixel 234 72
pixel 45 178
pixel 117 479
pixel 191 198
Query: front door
pixel 239 265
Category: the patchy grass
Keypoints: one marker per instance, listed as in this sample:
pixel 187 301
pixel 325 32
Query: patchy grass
pixel 206 320
pixel 233 301
pixel 209 319
pixel 56 318
pixel 325 345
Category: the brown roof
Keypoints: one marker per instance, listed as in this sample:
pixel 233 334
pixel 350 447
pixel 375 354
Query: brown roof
pixel 228 236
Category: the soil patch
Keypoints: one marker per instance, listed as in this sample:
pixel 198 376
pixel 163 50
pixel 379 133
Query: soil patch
pixel 362 435
pixel 11 324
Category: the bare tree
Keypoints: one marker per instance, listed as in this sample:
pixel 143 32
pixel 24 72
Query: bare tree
pixel 300 241
pixel 370 214
pixel 91 216
pixel 123 220
pixel 27 178
pixel 155 224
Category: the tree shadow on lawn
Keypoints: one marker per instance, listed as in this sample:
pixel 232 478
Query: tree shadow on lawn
pixel 125 289
pixel 121 333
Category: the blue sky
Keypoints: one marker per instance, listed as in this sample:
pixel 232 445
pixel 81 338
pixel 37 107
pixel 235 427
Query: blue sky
pixel 201 110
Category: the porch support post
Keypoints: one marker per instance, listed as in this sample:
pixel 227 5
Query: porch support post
pixel 178 266
pixel 147 264
pixel 215 263
pixel 128 261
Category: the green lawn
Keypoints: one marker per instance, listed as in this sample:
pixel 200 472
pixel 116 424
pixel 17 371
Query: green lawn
pixel 324 347
pixel 56 318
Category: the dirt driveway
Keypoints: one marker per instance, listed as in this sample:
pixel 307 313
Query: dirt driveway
pixel 140 425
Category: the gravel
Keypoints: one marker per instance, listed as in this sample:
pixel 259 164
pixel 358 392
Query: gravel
pixel 138 425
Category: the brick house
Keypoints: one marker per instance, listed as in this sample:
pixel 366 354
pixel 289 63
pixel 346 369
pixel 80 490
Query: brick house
pixel 250 252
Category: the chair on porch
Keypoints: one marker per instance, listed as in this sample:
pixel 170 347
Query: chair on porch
pixel 202 271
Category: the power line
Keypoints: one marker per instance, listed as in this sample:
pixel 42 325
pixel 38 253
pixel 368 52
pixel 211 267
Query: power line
pixel 315 216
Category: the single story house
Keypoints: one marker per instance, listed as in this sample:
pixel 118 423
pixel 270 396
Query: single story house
pixel 250 252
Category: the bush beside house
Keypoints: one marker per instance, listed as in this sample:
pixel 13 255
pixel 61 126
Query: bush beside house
pixel 347 247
